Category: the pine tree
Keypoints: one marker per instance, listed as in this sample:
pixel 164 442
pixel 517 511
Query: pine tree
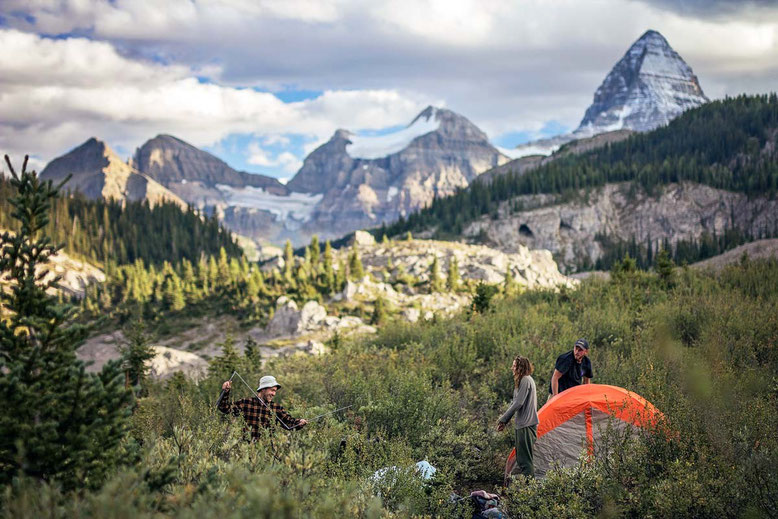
pixel 355 268
pixel 664 266
pixel 223 365
pixel 57 422
pixel 379 311
pixel 223 270
pixel 436 282
pixel 315 252
pixel 510 281
pixel 134 354
pixel 329 273
pixel 174 293
pixel 452 280
pixel 340 276
pixel 252 354
pixel 288 260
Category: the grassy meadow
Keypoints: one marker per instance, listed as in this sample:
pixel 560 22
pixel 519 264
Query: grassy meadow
pixel 701 347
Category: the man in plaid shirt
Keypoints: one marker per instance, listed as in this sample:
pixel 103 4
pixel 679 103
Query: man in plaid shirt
pixel 259 410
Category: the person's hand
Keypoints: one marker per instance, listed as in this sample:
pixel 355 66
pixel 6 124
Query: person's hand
pixel 500 426
pixel 303 422
pixel 227 385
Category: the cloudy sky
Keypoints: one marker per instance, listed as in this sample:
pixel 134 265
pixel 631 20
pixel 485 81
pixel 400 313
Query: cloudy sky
pixel 260 83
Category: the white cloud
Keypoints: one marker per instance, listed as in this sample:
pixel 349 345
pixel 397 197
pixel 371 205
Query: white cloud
pixel 57 93
pixel 285 160
pixel 273 140
pixel 507 66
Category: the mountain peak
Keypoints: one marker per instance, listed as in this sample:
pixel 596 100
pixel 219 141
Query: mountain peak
pixel 652 36
pixel 427 114
pixel 648 87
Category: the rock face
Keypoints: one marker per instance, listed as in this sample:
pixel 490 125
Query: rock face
pixel 650 86
pixel 171 161
pixel 288 321
pixel 98 172
pixel 570 230
pixel 364 181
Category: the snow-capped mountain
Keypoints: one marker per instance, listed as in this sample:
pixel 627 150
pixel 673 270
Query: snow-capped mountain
pixel 350 182
pixel 648 87
pixel 367 180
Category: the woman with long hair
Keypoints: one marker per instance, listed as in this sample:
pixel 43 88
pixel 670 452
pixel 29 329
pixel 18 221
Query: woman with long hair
pixel 525 407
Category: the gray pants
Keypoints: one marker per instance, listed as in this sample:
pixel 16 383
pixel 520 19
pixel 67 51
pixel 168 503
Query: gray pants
pixel 525 444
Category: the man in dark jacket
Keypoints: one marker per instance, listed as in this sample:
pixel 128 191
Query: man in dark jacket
pixel 571 369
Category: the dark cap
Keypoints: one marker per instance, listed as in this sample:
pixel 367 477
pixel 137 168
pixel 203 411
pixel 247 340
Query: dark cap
pixel 583 343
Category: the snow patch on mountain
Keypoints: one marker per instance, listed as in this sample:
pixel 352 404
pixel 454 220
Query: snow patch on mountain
pixel 379 146
pixel 533 148
pixel 391 193
pixel 295 206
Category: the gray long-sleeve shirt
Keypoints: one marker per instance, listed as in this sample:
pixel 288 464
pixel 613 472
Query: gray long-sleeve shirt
pixel 524 405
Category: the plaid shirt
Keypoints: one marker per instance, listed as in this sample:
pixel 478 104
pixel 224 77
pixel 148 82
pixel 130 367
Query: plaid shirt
pixel 257 413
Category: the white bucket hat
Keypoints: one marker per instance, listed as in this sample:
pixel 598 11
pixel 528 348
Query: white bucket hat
pixel 268 381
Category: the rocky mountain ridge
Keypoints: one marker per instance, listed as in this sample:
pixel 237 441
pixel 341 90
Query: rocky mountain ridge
pixel 98 172
pixel 183 168
pixel 570 230
pixel 527 163
pixel 647 88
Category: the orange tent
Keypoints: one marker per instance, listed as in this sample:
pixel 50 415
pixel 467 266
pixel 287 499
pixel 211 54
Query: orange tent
pixel 577 418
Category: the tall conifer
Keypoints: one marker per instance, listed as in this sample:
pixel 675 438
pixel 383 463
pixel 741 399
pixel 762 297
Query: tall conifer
pixel 57 422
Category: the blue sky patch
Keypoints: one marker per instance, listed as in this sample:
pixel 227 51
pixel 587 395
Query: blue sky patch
pixel 513 139
pixel 236 150
pixel 294 96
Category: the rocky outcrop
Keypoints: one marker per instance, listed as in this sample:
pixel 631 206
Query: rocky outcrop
pixel 75 276
pixel 100 350
pixel 97 172
pixel 386 261
pixel 571 230
pixel 649 87
pixel 289 321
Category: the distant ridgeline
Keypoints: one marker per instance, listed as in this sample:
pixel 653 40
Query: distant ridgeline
pixel 123 232
pixel 720 144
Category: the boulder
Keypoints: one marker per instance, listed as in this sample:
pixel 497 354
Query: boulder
pixel 411 315
pixel 168 361
pixel 312 316
pixel 286 319
pixel 362 238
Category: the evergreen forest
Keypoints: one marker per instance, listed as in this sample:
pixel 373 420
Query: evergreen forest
pixel 110 231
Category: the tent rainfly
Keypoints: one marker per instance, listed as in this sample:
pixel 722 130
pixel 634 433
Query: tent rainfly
pixel 576 419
